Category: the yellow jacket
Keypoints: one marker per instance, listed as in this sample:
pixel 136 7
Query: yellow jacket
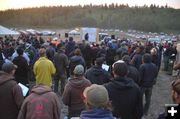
pixel 43 70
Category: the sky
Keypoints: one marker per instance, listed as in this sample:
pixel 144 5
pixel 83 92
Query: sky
pixel 16 4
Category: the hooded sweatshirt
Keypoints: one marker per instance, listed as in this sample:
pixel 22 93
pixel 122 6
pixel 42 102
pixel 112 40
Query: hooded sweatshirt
pixel 96 114
pixel 126 98
pixel 11 97
pixel 42 103
pixel 97 75
pixel 73 94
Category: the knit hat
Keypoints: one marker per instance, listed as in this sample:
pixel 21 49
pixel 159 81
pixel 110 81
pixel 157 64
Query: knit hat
pixel 8 67
pixel 96 95
pixel 79 70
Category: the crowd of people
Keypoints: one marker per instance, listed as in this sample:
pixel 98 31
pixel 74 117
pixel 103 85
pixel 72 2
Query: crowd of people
pixel 74 72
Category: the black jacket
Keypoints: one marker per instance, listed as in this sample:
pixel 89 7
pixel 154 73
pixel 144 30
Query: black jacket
pixel 76 60
pixel 133 74
pixel 126 98
pixel 148 73
pixel 137 60
pixel 97 75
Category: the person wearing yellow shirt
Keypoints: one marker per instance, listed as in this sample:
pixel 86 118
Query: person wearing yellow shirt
pixel 44 69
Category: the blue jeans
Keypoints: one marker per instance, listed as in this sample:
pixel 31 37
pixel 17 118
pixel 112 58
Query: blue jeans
pixel 148 93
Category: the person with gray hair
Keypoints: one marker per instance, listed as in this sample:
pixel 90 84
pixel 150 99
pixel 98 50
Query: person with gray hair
pixel 72 95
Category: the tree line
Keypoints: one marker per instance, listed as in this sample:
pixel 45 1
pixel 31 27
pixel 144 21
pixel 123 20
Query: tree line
pixel 152 18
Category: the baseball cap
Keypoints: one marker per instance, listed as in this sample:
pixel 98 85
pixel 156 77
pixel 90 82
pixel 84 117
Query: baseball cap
pixel 79 70
pixel 8 67
pixel 96 95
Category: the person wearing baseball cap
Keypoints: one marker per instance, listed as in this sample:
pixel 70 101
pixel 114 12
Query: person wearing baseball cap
pixel 11 93
pixel 72 95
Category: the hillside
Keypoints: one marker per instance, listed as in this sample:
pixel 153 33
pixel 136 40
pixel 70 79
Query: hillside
pixel 153 18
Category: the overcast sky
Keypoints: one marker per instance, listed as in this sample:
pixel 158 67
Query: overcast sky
pixel 8 4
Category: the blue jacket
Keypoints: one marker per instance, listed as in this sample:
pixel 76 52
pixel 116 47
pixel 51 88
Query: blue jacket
pixel 96 114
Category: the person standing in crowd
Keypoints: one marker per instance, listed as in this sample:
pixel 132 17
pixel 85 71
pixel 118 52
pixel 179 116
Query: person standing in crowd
pixel 76 60
pixel 15 54
pixel 97 75
pixel 97 103
pixel 61 64
pixel 70 47
pixel 124 93
pixel 50 51
pixel 167 55
pixel 11 93
pixel 87 54
pixel 137 58
pixel 72 96
pixel 133 73
pixel 154 55
pixel 42 103
pixel 148 74
pixel 21 74
pixel 43 69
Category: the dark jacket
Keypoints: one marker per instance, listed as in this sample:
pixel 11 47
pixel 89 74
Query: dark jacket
pixel 96 114
pixel 70 47
pixel 73 95
pixel 148 73
pixel 137 60
pixel 21 74
pixel 60 62
pixel 11 97
pixel 42 103
pixel 126 98
pixel 76 60
pixel 133 74
pixel 97 75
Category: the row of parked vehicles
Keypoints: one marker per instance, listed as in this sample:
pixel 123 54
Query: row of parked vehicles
pixel 36 32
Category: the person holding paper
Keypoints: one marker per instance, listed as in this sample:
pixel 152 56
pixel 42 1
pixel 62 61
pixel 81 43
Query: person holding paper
pixel 10 92
pixel 96 74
